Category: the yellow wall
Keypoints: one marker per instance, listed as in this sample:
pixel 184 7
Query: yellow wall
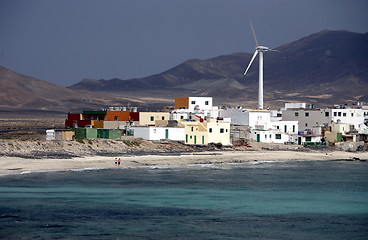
pixel 216 136
pixel 114 124
pixel 195 133
pixel 150 118
pixel 97 124
pixel 198 133
pixel 67 135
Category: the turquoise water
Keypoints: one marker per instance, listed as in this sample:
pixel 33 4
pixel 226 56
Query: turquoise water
pixel 295 200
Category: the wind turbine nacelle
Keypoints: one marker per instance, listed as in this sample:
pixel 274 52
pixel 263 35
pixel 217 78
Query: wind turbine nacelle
pixel 261 48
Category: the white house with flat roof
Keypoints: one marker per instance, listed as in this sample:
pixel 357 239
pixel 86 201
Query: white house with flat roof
pixel 158 133
pixel 193 103
pixel 269 136
pixel 254 118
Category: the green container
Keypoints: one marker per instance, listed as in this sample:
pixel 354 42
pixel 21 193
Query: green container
pixel 101 133
pixel 113 133
pixel 85 133
pixel 109 133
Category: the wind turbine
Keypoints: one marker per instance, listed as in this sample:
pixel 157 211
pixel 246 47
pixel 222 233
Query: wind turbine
pixel 260 50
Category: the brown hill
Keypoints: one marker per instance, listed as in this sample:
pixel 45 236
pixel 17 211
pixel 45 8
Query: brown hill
pixel 21 92
pixel 324 68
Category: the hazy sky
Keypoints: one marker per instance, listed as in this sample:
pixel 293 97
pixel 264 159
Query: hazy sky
pixel 64 41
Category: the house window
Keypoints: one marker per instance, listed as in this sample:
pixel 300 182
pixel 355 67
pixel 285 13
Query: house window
pixel 116 118
pixel 265 136
pixel 152 118
pixel 277 127
pixel 181 117
pixel 210 130
pixel 285 128
pixel 278 136
pixel 352 114
pixel 307 114
pixel 163 118
pixel 335 114
pixel 293 128
pixel 308 139
pixel 206 103
pixel 221 130
pixel 226 130
pixel 296 114
pixel 344 114
pixel 306 124
pixel 193 102
pixel 191 129
pixel 339 114
pixel 327 114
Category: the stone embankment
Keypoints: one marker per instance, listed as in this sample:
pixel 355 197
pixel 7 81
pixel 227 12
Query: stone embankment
pixel 33 148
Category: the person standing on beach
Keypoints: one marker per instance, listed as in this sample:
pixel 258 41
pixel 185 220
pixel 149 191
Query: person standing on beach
pixel 116 161
pixel 119 161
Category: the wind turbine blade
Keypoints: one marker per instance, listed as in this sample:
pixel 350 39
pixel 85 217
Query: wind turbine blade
pixel 254 33
pixel 251 61
pixel 273 50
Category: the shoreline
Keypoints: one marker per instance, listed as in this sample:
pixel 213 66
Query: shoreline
pixel 18 166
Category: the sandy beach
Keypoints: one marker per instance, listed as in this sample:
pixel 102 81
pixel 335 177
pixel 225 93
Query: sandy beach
pixel 16 165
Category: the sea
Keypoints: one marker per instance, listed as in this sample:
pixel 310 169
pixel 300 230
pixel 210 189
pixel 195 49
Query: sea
pixel 261 200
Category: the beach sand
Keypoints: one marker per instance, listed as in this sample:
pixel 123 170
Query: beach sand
pixel 15 165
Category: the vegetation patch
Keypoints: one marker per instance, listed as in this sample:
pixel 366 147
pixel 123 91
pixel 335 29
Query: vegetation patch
pixel 132 143
pixel 80 141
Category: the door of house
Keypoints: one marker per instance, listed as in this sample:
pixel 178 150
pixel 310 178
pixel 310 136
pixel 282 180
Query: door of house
pixel 167 133
pixel 258 137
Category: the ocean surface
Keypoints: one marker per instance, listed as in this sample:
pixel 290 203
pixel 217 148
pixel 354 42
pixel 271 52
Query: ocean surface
pixel 270 200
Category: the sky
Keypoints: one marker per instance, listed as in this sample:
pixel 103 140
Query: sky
pixel 65 41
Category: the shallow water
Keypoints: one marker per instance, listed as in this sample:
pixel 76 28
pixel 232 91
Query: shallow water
pixel 294 200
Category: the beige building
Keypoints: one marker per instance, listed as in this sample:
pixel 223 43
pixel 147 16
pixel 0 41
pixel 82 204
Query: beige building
pixel 205 132
pixel 150 118
pixel 336 131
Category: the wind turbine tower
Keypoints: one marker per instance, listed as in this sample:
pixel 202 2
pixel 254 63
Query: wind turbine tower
pixel 259 49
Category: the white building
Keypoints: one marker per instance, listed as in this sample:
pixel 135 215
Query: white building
pixel 159 133
pixel 255 119
pixel 269 136
pixel 295 105
pixel 179 114
pixel 193 103
pixel 289 127
pixel 353 116
pixel 201 106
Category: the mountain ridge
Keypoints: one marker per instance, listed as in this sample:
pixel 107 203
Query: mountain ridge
pixel 325 68
pixel 326 63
